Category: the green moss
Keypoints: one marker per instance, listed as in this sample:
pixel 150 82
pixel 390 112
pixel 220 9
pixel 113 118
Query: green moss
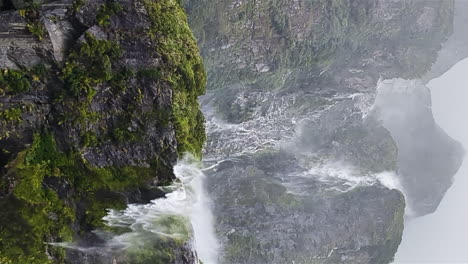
pixel 97 205
pixel 106 11
pixel 183 70
pixel 14 81
pixel 43 215
pixel 89 139
pixel 77 5
pixel 37 29
pixel 39 72
pixel 121 78
pixel 151 74
pixel 123 135
pixel 34 213
pixel 12 115
pixel 34 20
pixel 88 66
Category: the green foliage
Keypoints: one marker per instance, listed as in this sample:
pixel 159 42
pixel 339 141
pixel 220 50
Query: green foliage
pixel 34 213
pixel 86 67
pixel 37 29
pixel 14 81
pixel 120 79
pixel 184 71
pixel 39 71
pixel 151 74
pixel 34 21
pixel 77 5
pixel 39 214
pixel 43 150
pixel 123 135
pixel 89 66
pixel 106 11
pixel 89 139
pixel 11 115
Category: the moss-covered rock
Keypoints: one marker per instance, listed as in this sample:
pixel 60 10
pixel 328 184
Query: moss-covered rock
pixel 99 130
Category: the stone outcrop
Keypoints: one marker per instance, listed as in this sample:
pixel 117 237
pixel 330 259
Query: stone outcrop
pixel 291 127
pixel 97 101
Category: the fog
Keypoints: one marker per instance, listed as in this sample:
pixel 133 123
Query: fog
pixel 442 237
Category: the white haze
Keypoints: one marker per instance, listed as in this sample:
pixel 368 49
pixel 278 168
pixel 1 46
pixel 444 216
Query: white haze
pixel 442 237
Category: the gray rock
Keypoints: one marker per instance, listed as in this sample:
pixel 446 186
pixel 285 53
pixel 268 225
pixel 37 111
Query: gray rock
pixel 138 107
pixel 312 112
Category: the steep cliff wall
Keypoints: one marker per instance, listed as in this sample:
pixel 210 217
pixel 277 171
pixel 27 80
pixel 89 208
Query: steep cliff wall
pixel 309 168
pixel 98 100
pixel 269 41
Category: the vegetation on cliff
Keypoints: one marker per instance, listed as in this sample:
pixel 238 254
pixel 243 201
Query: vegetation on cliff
pixel 65 171
pixel 183 72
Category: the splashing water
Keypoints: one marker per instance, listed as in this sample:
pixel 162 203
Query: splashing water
pixel 200 214
pixel 187 207
pixel 184 215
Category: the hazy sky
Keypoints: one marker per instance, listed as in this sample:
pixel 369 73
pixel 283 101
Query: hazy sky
pixel 442 237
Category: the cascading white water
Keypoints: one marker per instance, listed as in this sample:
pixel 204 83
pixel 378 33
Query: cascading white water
pixel 150 230
pixel 201 218
pixel 186 208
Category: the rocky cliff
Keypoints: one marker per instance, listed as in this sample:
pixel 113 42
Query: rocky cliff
pixel 98 100
pixel 303 169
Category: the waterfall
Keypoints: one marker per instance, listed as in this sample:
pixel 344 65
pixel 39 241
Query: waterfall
pixel 153 231
pixel 186 207
pixel 201 218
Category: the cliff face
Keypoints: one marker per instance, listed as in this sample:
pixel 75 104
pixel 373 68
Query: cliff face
pixel 98 100
pixel 279 42
pixel 304 170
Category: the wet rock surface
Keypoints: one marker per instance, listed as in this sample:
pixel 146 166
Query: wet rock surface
pixel 91 119
pixel 311 170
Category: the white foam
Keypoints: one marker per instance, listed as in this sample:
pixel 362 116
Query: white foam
pixel 185 209
pixel 188 201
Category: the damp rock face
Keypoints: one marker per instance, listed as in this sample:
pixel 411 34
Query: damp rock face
pixel 304 168
pixel 97 101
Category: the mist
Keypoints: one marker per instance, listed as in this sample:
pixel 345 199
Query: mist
pixel 442 236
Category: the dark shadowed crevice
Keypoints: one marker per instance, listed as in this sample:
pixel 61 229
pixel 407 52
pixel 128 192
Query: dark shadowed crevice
pixel 6 5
